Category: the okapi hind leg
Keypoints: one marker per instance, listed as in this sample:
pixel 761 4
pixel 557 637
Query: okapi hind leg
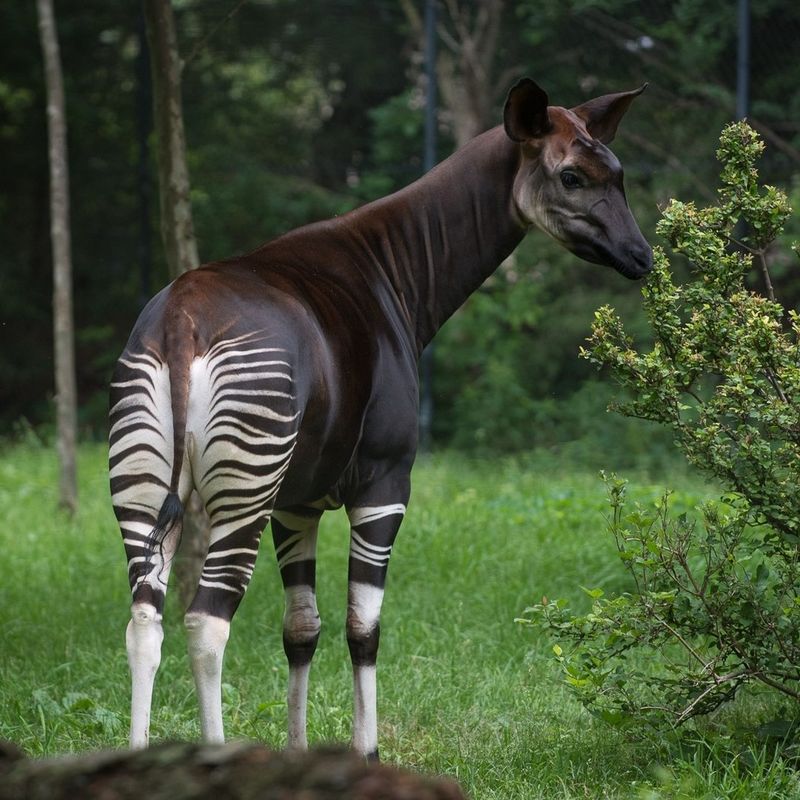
pixel 239 513
pixel 149 515
pixel 149 575
pixel 207 636
pixel 226 574
pixel 294 532
pixel 245 423
pixel 373 530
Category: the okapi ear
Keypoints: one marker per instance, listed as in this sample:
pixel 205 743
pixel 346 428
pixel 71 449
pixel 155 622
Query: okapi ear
pixel 602 115
pixel 525 113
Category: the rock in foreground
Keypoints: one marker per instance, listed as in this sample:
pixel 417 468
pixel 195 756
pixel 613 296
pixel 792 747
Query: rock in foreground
pixel 234 771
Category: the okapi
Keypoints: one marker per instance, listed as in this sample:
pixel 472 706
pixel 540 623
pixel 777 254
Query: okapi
pixel 283 383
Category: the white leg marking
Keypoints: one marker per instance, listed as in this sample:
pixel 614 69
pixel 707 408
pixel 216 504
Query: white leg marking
pixel 301 618
pixel 297 704
pixel 370 553
pixel 207 639
pixel 363 607
pixel 143 638
pixel 300 623
pixel 300 546
pixel 365 710
pixel 358 516
pixel 363 614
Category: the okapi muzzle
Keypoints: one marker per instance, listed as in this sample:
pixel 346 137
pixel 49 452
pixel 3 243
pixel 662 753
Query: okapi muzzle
pixel 283 383
pixel 570 184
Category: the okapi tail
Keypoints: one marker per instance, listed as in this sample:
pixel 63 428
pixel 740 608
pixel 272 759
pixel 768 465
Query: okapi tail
pixel 179 351
pixel 171 513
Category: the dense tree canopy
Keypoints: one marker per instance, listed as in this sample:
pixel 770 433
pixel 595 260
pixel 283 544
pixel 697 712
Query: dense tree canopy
pixel 297 111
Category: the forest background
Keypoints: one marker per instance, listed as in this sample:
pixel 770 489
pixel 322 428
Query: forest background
pixel 298 111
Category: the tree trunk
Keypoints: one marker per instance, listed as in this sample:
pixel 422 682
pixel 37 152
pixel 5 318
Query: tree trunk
pixel 63 328
pixel 177 229
pixel 177 232
pixel 238 770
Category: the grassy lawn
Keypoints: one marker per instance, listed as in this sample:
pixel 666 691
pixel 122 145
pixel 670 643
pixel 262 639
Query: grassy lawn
pixel 463 689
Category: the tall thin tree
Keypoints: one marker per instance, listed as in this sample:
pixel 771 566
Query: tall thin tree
pixel 63 327
pixel 177 228
pixel 177 231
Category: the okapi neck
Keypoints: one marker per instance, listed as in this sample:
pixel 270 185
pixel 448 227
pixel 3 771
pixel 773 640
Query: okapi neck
pixel 438 239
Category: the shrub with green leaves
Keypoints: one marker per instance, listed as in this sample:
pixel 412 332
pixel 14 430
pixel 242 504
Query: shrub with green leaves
pixel 715 599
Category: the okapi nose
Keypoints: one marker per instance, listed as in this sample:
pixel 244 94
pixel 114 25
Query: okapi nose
pixel 643 257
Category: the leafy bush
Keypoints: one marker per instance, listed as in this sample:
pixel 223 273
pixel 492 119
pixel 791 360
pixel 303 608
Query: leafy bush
pixel 715 601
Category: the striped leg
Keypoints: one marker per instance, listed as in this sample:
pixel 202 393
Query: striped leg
pixel 243 416
pixel 373 530
pixel 294 532
pixel 225 577
pixel 140 459
pixel 145 634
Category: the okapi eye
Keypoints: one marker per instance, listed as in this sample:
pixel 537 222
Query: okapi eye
pixel 570 180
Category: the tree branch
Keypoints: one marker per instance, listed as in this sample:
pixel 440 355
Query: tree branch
pixel 765 272
pixel 195 51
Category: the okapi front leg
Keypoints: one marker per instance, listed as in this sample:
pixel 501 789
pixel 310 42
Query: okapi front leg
pixel 294 532
pixel 373 530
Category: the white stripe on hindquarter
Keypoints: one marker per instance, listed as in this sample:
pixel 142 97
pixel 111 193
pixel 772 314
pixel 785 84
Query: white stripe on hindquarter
pixel 149 440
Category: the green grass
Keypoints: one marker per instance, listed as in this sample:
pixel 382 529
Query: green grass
pixel 463 689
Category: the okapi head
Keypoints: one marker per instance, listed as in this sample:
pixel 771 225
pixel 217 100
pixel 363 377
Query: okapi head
pixel 569 183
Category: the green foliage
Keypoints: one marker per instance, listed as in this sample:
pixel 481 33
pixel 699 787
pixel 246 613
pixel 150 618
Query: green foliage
pixel 397 127
pixel 298 111
pixel 714 600
pixel 723 373
pixel 714 604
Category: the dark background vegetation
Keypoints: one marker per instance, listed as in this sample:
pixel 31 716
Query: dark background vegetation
pixel 297 111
